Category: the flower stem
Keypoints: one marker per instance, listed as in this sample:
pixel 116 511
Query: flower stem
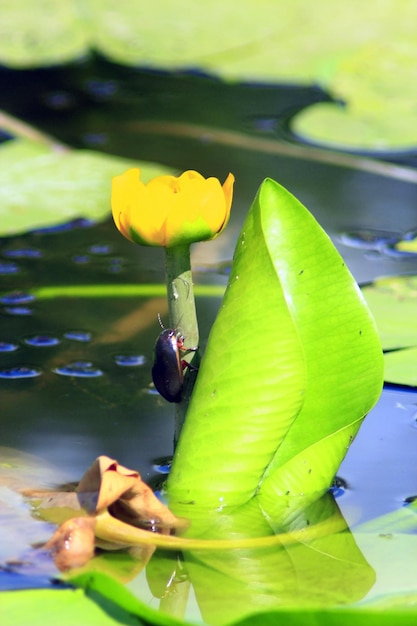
pixel 183 317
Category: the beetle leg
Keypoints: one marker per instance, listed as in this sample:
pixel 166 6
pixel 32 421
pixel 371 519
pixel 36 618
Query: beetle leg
pixel 185 364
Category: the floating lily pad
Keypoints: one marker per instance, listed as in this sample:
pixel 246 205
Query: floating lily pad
pixel 364 54
pixel 393 302
pixel 40 187
pixel 401 367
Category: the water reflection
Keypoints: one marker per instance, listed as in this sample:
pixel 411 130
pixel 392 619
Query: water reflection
pixel 319 565
pixel 20 372
pixel 22 253
pixel 42 341
pixel 17 297
pixel 79 369
pixel 8 268
pixel 5 346
pixel 130 360
pixel 18 310
pixel 78 335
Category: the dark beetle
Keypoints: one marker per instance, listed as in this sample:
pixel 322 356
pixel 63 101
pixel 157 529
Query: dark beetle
pixel 168 367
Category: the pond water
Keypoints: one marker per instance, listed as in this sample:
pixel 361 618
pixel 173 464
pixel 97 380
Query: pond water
pixel 79 305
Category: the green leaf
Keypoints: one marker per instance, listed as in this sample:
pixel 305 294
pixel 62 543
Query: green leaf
pixel 393 304
pixel 100 601
pixel 40 187
pixel 402 615
pixel 292 365
pixel 42 33
pixel 321 570
pixel 401 367
pixel 372 69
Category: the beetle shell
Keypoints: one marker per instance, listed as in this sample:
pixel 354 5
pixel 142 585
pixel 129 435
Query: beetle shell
pixel 167 370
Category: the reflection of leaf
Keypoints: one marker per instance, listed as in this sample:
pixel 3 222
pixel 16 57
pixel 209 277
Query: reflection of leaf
pixel 391 539
pixel 103 601
pixel 324 571
pixel 40 187
pixel 292 365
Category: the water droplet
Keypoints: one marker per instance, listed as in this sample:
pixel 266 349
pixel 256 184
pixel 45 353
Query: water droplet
pixel 100 249
pixel 116 265
pixel 59 100
pixel 17 297
pixel 81 259
pixel 18 310
pixel 59 228
pixel 368 239
pixel 78 335
pixel 338 487
pixel 130 361
pixel 5 346
pixel 153 392
pixel 23 253
pixel 393 252
pixel 79 369
pixel 42 341
pixel 8 268
pixel 20 372
pixel 95 139
pixel 162 465
pixel 265 124
pixel 223 268
pixel 101 89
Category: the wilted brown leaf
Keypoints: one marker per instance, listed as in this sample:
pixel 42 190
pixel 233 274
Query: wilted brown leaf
pixel 108 485
pixel 116 496
pixel 72 545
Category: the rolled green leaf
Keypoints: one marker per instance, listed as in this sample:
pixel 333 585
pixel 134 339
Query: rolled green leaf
pixel 293 364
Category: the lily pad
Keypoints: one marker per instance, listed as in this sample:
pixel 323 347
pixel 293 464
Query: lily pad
pixel 364 54
pixel 393 303
pixel 41 187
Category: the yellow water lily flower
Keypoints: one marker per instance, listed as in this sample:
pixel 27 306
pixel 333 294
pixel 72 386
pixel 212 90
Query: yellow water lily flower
pixel 168 210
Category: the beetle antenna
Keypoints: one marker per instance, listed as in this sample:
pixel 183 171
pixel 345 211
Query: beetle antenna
pixel 160 322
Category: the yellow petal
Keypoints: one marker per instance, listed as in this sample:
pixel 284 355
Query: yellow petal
pixel 170 210
pixel 126 190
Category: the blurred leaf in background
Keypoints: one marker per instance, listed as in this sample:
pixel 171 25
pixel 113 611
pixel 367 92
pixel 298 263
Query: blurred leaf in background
pixel 363 53
pixel 393 302
pixel 41 187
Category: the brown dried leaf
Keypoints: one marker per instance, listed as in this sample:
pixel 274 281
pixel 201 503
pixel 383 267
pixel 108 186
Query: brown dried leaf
pixel 108 480
pixel 125 495
pixel 117 502
pixel 73 543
